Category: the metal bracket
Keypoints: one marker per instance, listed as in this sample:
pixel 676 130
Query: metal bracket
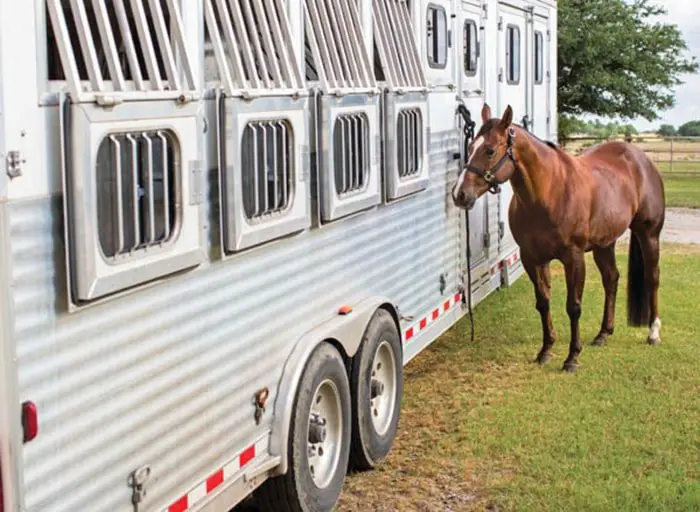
pixel 137 481
pixel 13 164
pixel 196 185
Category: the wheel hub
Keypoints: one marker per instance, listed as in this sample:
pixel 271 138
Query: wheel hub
pixel 325 434
pixel 383 386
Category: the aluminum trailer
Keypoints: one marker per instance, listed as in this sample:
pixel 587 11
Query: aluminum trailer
pixel 225 226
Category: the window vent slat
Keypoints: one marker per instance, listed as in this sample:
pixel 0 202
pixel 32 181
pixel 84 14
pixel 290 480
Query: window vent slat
pixel 396 45
pixel 351 161
pixel 136 196
pixel 125 49
pixel 266 170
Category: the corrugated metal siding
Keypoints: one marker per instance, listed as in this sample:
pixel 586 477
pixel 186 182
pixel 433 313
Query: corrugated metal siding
pixel 165 376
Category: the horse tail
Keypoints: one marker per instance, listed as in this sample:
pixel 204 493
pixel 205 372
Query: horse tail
pixel 638 293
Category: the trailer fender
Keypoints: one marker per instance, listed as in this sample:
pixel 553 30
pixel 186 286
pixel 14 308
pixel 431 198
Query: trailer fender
pixel 343 329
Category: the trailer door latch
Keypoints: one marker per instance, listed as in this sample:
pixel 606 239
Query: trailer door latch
pixel 13 164
pixel 137 482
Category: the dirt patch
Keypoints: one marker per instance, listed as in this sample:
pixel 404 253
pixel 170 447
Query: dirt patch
pixel 682 226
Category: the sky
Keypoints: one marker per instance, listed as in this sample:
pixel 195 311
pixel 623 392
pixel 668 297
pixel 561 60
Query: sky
pixel 685 14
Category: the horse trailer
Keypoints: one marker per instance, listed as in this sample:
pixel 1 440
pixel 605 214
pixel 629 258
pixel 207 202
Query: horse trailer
pixel 226 226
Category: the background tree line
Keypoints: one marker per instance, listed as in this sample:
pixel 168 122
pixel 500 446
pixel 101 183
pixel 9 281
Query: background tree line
pixel 617 61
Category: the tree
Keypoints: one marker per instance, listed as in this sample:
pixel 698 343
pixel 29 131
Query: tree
pixel 667 130
pixel 615 61
pixel 690 129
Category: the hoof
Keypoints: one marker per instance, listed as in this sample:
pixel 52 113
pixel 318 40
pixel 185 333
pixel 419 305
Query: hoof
pixel 600 341
pixel 543 358
pixel 569 367
pixel 653 341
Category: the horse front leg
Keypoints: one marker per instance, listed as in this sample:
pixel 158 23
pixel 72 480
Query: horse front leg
pixel 541 280
pixel 575 269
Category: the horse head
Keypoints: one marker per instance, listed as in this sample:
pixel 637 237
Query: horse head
pixel 490 160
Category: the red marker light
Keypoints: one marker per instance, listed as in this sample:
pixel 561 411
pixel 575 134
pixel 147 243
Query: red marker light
pixel 30 421
pixel 345 310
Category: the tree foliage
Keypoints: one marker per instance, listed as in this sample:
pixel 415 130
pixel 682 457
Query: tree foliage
pixel 690 129
pixel 667 130
pixel 615 60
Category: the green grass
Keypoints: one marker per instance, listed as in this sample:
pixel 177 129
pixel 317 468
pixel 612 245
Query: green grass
pixel 682 190
pixel 484 427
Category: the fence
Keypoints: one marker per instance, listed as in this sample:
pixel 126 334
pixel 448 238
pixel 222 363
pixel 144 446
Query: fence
pixel 673 155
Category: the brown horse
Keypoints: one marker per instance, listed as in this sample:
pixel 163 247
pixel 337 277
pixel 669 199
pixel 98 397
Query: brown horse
pixel 564 206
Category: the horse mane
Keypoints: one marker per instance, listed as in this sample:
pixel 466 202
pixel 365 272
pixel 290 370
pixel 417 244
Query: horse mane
pixel 488 125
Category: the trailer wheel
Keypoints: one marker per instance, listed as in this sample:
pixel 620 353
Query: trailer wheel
pixel 319 440
pixel 376 381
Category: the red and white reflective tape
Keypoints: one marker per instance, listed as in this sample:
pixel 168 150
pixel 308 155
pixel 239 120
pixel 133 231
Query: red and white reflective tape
pixel 508 262
pixel 226 473
pixel 431 317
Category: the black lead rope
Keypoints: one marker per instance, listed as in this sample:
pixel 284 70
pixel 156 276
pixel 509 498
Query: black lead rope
pixel 468 128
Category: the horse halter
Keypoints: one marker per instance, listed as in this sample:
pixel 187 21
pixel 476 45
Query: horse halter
pixel 489 175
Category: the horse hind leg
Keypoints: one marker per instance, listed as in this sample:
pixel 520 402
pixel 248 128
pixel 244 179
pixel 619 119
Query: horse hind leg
pixel 605 260
pixel 650 248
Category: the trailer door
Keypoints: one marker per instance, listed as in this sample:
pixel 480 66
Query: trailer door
pixel 541 110
pixel 513 76
pixel 471 67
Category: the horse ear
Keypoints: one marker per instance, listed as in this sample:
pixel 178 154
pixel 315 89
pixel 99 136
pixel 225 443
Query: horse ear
pixel 485 113
pixel 507 118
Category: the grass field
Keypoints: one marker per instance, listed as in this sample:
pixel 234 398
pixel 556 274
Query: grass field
pixel 483 428
pixel 682 190
pixel 682 178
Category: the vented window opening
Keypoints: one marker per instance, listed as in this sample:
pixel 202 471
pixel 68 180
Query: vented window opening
pixel 437 36
pixel 539 57
pixel 471 48
pixel 513 54
pixel 131 40
pixel 351 160
pixel 137 191
pixel 251 42
pixel 266 167
pixel 409 129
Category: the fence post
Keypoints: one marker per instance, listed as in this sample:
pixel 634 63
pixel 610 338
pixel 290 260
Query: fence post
pixel 670 167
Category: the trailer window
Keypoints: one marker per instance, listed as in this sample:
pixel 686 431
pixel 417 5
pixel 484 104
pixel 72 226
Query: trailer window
pixel 266 167
pixel 471 48
pixel 137 191
pixel 513 54
pixel 539 57
pixel 351 159
pixel 409 145
pixel 437 36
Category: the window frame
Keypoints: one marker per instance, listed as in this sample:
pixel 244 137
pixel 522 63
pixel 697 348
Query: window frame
pixel 512 29
pixel 539 57
pixel 465 39
pixel 431 38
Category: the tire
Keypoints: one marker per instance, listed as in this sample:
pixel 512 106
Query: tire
pixel 313 484
pixel 375 420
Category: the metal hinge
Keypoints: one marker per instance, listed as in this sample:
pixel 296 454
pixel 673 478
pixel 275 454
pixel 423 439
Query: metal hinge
pixel 487 240
pixel 485 9
pixel 305 162
pixel 501 229
pixel 500 23
pixel 500 75
pixel 549 76
pixel 196 182
pixel 13 164
pixel 549 35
